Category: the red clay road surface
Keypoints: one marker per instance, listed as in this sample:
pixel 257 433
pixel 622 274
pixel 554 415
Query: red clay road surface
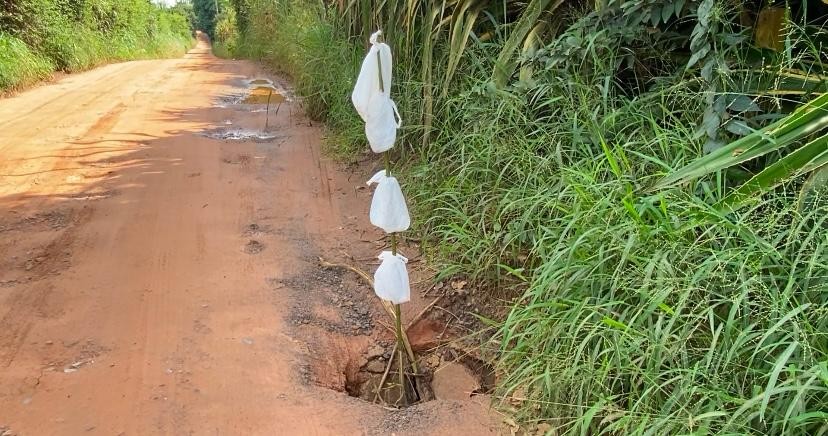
pixel 151 277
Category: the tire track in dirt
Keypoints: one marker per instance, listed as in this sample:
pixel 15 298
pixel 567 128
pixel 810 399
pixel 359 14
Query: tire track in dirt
pixel 22 307
pixel 106 122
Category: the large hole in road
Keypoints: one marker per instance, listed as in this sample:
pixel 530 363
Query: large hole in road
pixel 444 373
pixel 350 351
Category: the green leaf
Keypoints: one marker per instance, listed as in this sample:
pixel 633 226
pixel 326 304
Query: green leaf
pixel 806 120
pixel 707 70
pixel 710 122
pixel 655 15
pixel 667 309
pixel 741 103
pixel 738 127
pixel 463 20
pixel 679 7
pixel 614 324
pixel 702 52
pixel 814 192
pixel 712 145
pixel 803 160
pixel 705 7
pixel 810 417
pixel 505 65
pixel 666 12
pixel 770 390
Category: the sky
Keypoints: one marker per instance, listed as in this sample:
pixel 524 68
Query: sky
pixel 165 2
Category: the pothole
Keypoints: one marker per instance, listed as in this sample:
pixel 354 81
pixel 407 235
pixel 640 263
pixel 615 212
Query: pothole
pixel 445 374
pixel 253 247
pixel 255 229
pixel 228 100
pixel 258 92
pixel 336 319
pixel 229 134
pixel 263 94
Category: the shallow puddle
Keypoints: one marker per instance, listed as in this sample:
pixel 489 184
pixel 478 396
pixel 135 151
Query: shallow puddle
pixel 225 101
pixel 263 94
pixel 258 92
pixel 241 135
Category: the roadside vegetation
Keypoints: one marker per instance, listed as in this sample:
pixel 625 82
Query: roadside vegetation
pixel 642 182
pixel 39 37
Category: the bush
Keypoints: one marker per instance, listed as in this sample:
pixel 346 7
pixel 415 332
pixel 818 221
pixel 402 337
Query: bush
pixel 47 35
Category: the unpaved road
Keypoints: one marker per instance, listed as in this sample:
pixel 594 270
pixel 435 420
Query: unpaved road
pixel 157 281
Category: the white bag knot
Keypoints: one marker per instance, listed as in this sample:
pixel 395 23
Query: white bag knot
pixel 378 177
pixel 375 36
pixel 391 278
pixel 387 255
pixel 388 208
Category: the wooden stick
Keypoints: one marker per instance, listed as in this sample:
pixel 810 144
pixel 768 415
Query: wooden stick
pixel 423 312
pixel 267 113
pixel 385 374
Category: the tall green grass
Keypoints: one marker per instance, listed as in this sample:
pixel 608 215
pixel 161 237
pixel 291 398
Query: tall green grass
pixel 633 312
pixel 42 36
pixel 19 66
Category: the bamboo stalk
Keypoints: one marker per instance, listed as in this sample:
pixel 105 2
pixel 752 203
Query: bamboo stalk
pixel 385 374
pixel 398 328
pixel 402 339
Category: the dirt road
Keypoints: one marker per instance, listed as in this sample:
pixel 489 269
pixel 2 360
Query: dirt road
pixel 156 280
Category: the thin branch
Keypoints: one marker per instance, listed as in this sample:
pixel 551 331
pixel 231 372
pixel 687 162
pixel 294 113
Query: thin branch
pixel 423 312
pixel 385 374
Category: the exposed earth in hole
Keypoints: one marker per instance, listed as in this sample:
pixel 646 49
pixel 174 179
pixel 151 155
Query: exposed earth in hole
pixel 158 281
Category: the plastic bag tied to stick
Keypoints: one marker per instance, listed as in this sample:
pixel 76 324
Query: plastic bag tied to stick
pixel 388 208
pixel 372 97
pixel 391 278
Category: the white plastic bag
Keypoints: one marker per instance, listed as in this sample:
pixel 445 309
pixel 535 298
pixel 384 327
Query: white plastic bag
pixel 388 209
pixel 391 278
pixel 382 123
pixel 368 83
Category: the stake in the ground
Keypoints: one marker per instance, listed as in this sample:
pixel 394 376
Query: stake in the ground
pixel 371 98
pixel 401 343
pixel 267 110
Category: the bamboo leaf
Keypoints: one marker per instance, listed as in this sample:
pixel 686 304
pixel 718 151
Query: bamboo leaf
pixel 463 20
pixel 504 65
pixel 803 160
pixel 815 190
pixel 806 120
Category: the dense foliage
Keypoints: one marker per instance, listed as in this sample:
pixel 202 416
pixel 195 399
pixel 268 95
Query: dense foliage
pixel 206 14
pixel 217 18
pixel 556 154
pixel 38 37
